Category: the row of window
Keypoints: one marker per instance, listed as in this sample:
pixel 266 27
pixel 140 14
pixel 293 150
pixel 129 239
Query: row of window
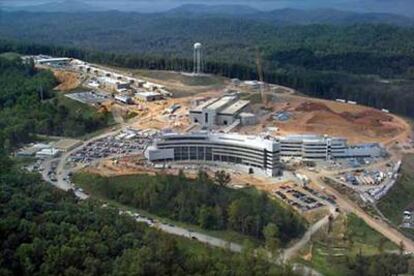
pixel 210 154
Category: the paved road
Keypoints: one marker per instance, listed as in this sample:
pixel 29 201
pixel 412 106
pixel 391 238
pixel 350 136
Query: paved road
pixel 200 237
pixel 293 251
pixel 63 183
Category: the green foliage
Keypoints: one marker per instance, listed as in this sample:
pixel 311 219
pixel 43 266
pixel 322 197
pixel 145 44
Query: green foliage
pixel 379 265
pixel 401 196
pixel 222 178
pixel 28 106
pixel 372 64
pixel 351 247
pixel 271 234
pixel 44 231
pixel 199 202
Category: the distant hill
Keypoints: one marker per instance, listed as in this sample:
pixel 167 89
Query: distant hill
pixel 332 16
pixel 235 10
pixel 61 6
pixel 294 16
pixel 276 17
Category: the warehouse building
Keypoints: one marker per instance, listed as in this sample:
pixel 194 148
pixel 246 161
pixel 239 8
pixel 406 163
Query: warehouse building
pixel 124 99
pixel 113 84
pixel 148 96
pixel 253 154
pixel 54 61
pixel 220 111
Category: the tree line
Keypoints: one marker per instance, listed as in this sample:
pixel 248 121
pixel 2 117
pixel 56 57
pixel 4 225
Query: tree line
pixel 44 231
pixel 345 75
pixel 201 202
pixel 29 106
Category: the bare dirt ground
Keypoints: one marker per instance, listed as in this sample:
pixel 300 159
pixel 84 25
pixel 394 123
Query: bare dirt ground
pixel 67 80
pixel 359 124
pixel 154 115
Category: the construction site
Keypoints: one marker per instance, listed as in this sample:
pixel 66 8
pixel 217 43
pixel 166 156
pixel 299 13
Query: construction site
pixel 304 130
pixel 316 157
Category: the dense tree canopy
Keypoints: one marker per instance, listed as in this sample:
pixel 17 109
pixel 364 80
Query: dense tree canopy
pixel 200 202
pixel 372 64
pixel 29 106
pixel 44 231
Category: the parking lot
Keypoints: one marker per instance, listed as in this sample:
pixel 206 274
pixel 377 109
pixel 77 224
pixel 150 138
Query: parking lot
pixel 89 97
pixel 303 200
pixel 126 143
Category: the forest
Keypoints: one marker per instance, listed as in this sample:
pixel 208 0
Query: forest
pixel 372 64
pixel 29 106
pixel 201 202
pixel 44 231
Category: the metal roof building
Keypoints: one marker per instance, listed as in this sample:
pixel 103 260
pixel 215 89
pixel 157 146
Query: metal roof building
pixel 219 111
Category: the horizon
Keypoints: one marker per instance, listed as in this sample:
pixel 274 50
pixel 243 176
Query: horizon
pixel 399 7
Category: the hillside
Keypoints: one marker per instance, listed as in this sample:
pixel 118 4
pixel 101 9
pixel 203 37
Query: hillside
pixel 372 64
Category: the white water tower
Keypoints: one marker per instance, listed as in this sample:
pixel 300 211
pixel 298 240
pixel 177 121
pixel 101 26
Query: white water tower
pixel 198 67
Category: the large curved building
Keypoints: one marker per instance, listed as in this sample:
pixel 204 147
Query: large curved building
pixel 253 153
pixel 250 152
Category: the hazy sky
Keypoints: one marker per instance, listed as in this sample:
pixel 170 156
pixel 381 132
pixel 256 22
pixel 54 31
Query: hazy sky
pixel 405 7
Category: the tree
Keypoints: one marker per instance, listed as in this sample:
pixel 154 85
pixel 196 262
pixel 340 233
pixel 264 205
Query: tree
pixel 271 234
pixel 222 178
pixel 206 218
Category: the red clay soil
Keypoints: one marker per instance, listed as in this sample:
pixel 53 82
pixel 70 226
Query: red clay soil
pixel 312 106
pixel 370 118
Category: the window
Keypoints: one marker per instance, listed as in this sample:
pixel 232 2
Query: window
pixel 206 118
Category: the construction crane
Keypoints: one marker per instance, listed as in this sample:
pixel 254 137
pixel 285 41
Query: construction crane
pixel 259 68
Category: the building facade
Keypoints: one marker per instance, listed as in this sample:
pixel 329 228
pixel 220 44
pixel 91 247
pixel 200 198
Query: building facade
pixel 315 147
pixel 219 111
pixel 253 153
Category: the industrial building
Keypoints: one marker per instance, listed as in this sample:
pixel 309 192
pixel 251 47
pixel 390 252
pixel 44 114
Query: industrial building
pixel 251 153
pixel 54 61
pixel 114 84
pixel 221 111
pixel 148 96
pixel 124 99
pixel 315 147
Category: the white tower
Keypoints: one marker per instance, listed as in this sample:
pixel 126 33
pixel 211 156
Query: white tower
pixel 198 68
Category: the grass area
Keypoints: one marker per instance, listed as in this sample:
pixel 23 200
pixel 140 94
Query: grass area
pixel 349 236
pixel 20 162
pixel 209 80
pixel 401 195
pixel 87 111
pixel 254 98
pixel 10 55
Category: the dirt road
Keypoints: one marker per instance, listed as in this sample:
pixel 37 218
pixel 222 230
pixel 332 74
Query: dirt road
pixel 380 226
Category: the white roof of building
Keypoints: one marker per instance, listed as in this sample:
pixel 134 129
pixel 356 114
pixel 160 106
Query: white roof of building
pixel 247 114
pixel 307 138
pixel 53 60
pixel 113 81
pixel 221 102
pixel 235 107
pixel 229 138
pixel 147 94
pixel 205 104
pixel 121 97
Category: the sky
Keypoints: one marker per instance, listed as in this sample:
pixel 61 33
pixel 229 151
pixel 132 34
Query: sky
pixel 403 7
